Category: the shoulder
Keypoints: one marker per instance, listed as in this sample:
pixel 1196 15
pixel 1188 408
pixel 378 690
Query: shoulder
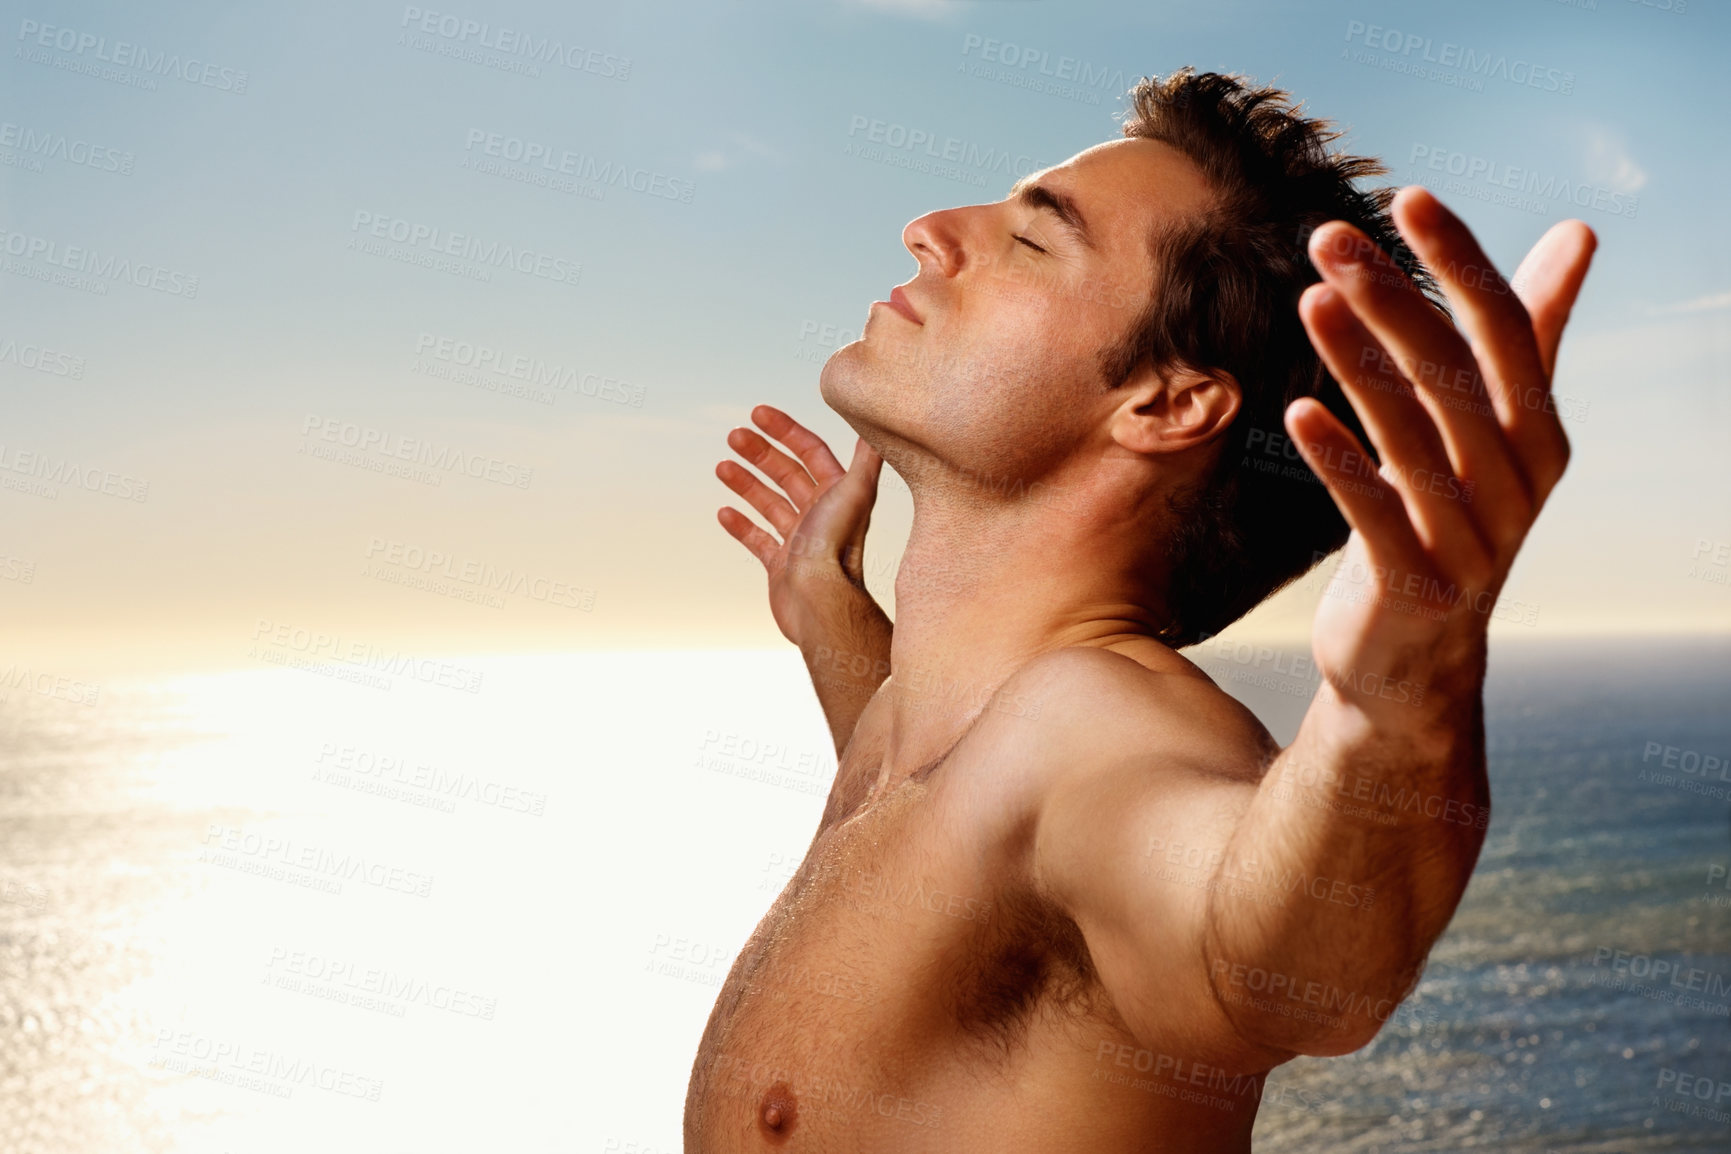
pixel 1080 734
pixel 1109 767
pixel 1091 704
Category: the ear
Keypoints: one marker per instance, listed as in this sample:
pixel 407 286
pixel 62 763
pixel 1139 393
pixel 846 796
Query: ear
pixel 1173 409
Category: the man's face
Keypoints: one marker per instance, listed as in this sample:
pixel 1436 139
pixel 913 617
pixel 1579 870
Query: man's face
pixel 1000 375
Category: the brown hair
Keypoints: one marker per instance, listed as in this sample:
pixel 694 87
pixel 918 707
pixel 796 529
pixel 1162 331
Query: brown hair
pixel 1227 299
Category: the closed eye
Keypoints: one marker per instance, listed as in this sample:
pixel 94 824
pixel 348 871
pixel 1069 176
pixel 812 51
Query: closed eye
pixel 1030 244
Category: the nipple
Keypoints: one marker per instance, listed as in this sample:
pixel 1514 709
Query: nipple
pixel 778 1113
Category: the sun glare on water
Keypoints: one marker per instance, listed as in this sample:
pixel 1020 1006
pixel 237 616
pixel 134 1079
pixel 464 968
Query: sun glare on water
pixel 415 916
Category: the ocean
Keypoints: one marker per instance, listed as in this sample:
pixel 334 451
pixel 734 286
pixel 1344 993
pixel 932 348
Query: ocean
pixel 488 906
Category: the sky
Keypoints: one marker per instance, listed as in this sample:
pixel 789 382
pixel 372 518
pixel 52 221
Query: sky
pixel 255 277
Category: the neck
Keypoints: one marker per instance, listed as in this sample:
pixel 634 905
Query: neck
pixel 986 585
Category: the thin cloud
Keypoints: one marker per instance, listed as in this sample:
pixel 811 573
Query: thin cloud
pixel 737 148
pixel 1609 163
pixel 922 9
pixel 1711 303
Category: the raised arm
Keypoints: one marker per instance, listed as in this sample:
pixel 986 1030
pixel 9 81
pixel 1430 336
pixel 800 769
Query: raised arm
pixel 1291 910
pixel 1385 786
pixel 817 590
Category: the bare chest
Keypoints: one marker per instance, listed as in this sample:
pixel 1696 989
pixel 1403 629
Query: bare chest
pixel 905 950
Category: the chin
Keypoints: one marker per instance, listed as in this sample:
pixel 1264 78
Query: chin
pixel 863 394
pixel 842 382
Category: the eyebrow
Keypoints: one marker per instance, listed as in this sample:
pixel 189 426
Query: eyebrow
pixel 1035 195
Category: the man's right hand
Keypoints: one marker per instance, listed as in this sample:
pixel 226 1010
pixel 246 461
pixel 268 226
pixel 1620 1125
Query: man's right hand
pixel 817 590
pixel 818 566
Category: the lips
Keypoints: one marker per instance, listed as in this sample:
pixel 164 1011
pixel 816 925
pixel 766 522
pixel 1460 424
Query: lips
pixel 899 301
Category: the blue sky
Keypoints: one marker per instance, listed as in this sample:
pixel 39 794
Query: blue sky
pixel 754 241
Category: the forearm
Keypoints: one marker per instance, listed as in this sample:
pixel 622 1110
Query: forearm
pixel 846 646
pixel 1345 868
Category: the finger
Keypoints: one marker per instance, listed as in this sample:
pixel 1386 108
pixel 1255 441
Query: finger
pixel 862 474
pixel 765 500
pixel 1369 504
pixel 778 466
pixel 1549 280
pixel 807 445
pixel 742 529
pixel 1431 354
pixel 1414 459
pixel 1487 308
pixel 867 464
pixel 1504 343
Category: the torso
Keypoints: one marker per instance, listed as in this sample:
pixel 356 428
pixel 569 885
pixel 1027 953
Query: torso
pixel 910 990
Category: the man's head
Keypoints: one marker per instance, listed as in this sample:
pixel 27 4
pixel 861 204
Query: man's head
pixel 1134 306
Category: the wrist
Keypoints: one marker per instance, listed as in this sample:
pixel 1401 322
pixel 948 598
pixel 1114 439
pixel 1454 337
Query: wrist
pixel 848 666
pixel 1370 712
pixel 851 623
pixel 843 623
pixel 821 577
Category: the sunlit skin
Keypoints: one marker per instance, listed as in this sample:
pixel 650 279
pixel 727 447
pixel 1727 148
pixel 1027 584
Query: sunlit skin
pixel 1046 907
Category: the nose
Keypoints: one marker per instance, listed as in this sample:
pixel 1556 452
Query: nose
pixel 937 239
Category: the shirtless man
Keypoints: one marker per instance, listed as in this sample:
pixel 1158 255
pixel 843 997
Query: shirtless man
pixel 1066 894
